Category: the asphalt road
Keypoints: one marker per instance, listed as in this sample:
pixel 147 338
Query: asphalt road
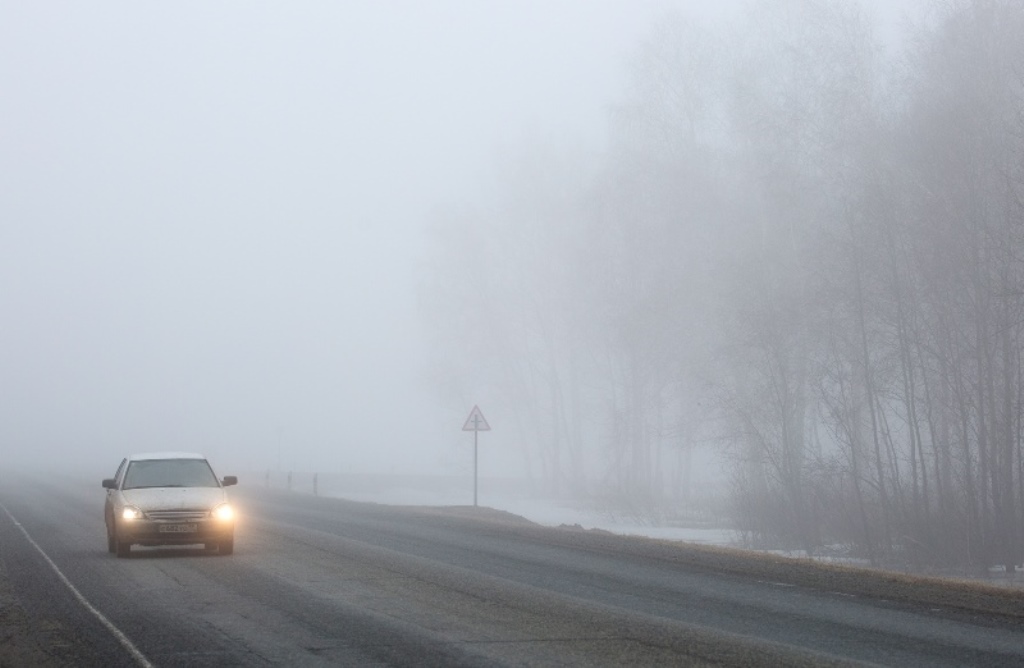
pixel 326 582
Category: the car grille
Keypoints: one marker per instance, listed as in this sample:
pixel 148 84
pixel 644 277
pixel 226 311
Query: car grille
pixel 181 515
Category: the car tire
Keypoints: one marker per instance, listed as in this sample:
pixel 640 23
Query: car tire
pixel 227 546
pixel 111 543
pixel 123 549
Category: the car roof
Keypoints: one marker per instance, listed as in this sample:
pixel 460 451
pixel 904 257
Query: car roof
pixel 165 455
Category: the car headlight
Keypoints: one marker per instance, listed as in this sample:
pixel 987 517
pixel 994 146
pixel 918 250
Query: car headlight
pixel 223 512
pixel 131 513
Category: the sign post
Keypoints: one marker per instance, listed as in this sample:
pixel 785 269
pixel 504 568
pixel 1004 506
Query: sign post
pixel 475 423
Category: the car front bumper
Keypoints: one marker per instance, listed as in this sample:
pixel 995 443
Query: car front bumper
pixel 164 532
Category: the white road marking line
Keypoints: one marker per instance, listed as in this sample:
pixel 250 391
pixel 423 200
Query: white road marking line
pixel 121 637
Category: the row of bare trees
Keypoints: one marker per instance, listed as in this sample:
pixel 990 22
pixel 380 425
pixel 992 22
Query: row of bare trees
pixel 802 249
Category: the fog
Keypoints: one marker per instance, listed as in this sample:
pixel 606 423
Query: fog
pixel 750 264
pixel 212 215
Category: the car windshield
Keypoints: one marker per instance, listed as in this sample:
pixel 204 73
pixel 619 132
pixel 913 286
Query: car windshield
pixel 169 473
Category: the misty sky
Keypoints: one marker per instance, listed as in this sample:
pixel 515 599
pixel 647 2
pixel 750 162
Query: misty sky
pixel 211 214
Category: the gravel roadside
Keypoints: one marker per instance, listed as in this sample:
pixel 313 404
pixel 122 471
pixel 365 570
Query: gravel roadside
pixel 24 641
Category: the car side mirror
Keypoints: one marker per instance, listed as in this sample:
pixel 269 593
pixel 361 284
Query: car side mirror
pixel 229 480
pixel 109 483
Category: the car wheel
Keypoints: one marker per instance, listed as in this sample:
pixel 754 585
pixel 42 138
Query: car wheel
pixel 111 543
pixel 123 549
pixel 227 546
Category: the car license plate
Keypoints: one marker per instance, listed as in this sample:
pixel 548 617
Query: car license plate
pixel 178 528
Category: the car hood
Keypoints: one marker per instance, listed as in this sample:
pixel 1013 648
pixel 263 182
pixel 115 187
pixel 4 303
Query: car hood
pixel 173 498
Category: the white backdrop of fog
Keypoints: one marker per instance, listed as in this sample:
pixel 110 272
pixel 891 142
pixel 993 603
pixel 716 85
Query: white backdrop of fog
pixel 211 214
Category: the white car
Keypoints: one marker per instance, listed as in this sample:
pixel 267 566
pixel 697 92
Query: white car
pixel 168 498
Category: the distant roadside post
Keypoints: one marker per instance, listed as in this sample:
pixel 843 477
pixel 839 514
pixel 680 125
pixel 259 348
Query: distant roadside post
pixel 475 423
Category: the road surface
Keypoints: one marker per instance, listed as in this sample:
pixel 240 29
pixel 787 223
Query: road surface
pixel 317 581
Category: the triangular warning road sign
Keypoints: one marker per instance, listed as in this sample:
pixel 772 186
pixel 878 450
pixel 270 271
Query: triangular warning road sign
pixel 476 421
